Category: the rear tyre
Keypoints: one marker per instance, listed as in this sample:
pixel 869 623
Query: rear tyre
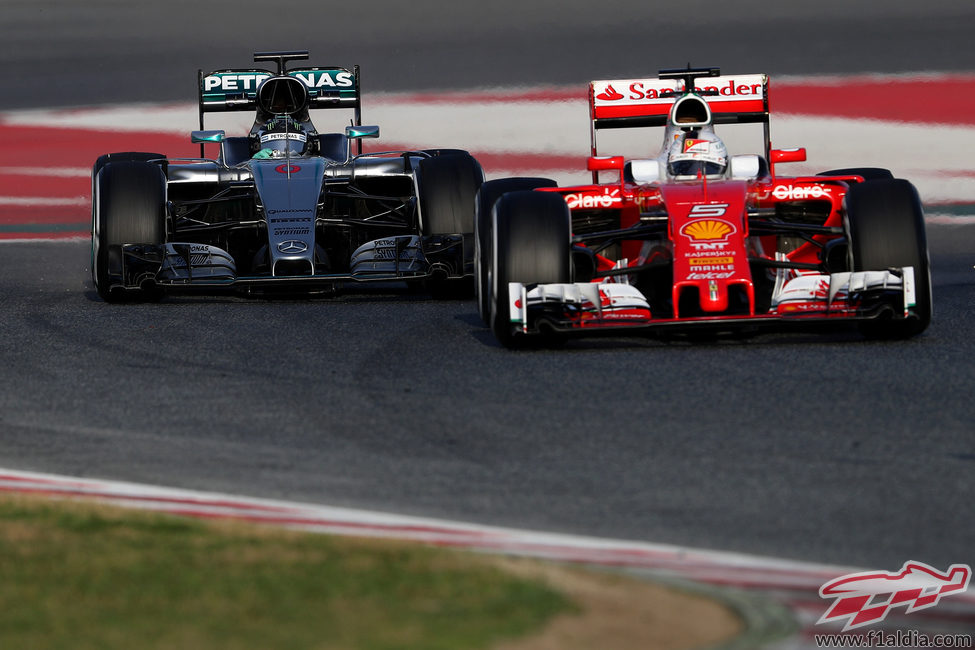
pixel 445 152
pixel 128 207
pixel 530 244
pixel 487 196
pixel 886 229
pixel 447 185
pixel 868 173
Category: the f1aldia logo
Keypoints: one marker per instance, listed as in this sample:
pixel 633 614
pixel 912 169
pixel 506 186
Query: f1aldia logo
pixel 866 598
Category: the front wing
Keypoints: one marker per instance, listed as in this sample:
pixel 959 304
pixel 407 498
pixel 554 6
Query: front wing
pixel 588 307
pixel 205 268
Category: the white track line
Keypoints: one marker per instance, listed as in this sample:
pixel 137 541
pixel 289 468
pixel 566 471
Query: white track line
pixel 791 584
pixel 680 560
pixel 43 200
pixel 63 172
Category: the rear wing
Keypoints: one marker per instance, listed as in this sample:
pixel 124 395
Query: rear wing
pixel 236 89
pixel 625 103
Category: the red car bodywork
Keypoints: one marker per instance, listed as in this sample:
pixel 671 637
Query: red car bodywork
pixel 750 247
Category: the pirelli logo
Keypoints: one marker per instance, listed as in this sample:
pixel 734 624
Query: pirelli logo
pixel 696 261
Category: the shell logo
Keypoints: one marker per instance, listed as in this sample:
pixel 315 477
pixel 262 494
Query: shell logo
pixel 707 230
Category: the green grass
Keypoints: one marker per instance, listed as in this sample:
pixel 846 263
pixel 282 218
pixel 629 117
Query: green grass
pixel 82 577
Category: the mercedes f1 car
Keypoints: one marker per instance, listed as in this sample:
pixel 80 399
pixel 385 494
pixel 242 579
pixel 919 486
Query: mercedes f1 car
pixel 284 207
pixel 695 240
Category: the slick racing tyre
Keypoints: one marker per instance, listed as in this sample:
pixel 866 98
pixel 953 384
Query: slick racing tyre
pixel 487 196
pixel 128 207
pixel 531 244
pixel 868 173
pixel 124 156
pixel 446 186
pixel 446 152
pixel 886 230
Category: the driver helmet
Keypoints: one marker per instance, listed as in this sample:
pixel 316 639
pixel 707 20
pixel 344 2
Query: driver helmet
pixel 281 136
pixel 697 154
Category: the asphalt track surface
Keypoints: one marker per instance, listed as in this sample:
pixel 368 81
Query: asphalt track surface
pixel 815 447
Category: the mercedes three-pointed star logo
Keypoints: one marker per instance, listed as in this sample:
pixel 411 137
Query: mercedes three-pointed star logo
pixel 292 247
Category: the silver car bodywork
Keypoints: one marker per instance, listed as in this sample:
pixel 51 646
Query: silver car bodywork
pixel 315 220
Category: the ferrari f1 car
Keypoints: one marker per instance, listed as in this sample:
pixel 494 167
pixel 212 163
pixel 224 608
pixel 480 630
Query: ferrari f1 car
pixel 284 207
pixel 695 240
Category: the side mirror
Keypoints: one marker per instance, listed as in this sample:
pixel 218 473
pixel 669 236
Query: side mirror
pixel 797 154
pixel 198 137
pixel 605 163
pixel 357 132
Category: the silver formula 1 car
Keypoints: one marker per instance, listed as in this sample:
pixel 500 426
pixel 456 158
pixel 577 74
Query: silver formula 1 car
pixel 284 207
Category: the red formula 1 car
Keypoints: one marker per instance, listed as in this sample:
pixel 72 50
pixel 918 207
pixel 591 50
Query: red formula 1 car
pixel 697 240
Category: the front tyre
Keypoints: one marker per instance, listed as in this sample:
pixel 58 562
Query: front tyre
pixel 868 173
pixel 128 207
pixel 531 244
pixel 487 196
pixel 125 156
pixel 886 229
pixel 446 187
